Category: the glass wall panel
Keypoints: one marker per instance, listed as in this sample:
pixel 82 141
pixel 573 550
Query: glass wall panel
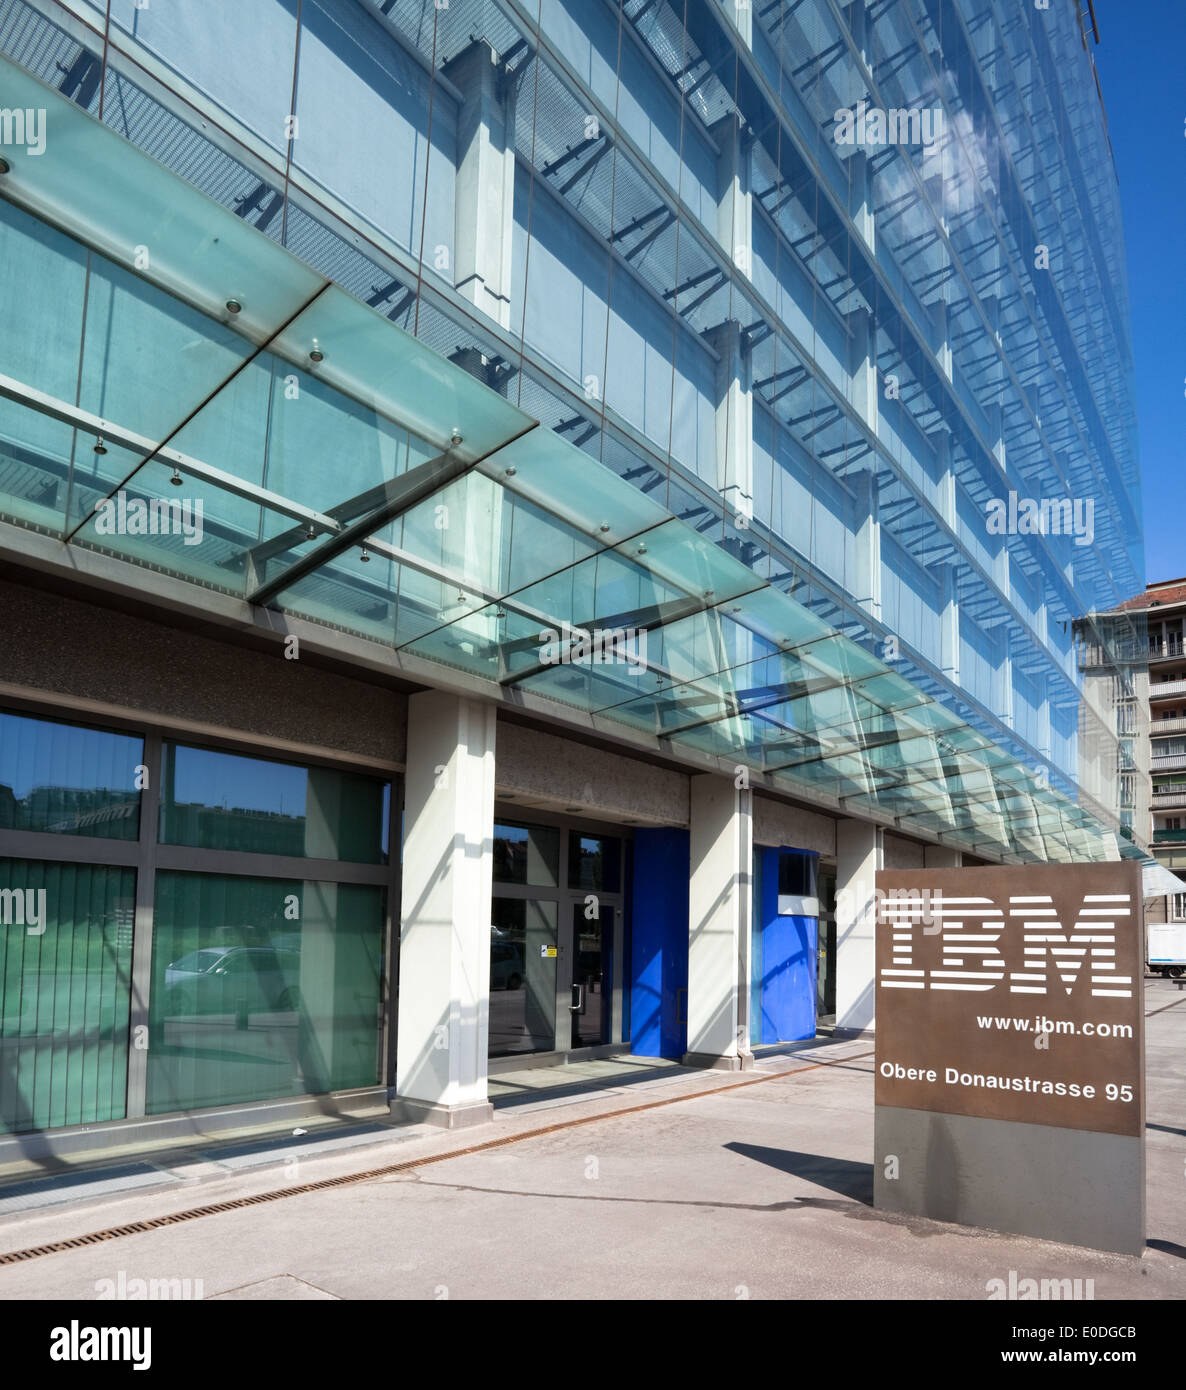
pixel 65 972
pixel 223 801
pixel 522 976
pixel 68 780
pixel 262 988
pixel 527 854
pixel 594 862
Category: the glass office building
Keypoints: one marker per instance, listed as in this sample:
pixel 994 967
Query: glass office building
pixel 513 510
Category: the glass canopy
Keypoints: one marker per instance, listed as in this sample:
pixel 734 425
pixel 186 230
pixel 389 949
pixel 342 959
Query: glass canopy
pixel 178 390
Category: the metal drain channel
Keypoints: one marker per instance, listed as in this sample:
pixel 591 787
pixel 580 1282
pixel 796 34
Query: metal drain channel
pixel 134 1228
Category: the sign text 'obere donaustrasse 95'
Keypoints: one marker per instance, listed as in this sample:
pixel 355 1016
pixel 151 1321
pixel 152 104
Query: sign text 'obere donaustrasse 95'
pixel 1012 993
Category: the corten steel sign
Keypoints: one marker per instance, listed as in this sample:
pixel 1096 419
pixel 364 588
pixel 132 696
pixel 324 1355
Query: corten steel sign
pixel 1013 994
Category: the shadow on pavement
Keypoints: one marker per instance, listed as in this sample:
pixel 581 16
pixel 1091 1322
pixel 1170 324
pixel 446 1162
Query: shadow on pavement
pixel 840 1175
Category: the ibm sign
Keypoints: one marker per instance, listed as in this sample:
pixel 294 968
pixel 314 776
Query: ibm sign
pixel 1009 1021
pixel 1057 954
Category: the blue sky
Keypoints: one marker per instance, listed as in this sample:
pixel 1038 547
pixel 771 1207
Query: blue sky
pixel 1141 59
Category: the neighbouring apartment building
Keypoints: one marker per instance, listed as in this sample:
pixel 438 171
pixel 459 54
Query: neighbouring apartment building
pixel 511 511
pixel 1160 611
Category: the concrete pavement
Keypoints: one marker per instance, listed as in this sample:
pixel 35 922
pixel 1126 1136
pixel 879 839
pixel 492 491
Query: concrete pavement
pixel 714 1190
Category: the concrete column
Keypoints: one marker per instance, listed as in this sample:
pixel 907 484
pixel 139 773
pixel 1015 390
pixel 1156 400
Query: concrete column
pixel 735 202
pixel 742 14
pixel 734 418
pixel 856 17
pixel 996 439
pixel 1045 743
pixel 1008 712
pixel 940 441
pixel 949 633
pixel 1002 570
pixel 862 365
pixel 444 954
pixel 719 924
pixel 866 582
pixel 485 187
pixel 943 337
pixel 860 853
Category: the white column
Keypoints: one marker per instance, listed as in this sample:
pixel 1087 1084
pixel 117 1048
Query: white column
pixel 949 634
pixel 866 580
pixel 859 854
pixel 735 204
pixel 485 186
pixel 444 953
pixel 943 337
pixel 742 14
pixel 719 922
pixel 734 419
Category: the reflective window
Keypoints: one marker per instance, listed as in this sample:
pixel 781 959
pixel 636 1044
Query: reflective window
pixel 594 862
pixel 523 956
pixel 262 988
pixel 526 854
pixel 68 780
pixel 223 801
pixel 65 972
pixel 797 875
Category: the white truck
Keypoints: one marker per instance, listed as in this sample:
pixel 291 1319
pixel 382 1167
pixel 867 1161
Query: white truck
pixel 1166 949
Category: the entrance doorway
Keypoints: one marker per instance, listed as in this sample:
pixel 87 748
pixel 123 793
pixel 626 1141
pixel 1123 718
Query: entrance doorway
pixel 826 976
pixel 556 940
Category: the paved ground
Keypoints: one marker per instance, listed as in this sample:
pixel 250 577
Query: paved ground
pixel 759 1190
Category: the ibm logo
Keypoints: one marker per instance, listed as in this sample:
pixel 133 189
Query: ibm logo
pixel 971 931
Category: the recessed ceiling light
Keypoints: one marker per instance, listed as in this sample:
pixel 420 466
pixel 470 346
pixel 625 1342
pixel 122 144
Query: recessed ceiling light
pixel 233 306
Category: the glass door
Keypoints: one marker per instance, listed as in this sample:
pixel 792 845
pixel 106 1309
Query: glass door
pixel 826 975
pixel 591 985
pixel 555 923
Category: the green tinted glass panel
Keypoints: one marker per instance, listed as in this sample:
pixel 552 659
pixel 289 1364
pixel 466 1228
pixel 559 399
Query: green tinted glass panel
pixel 65 967
pixel 262 988
pixel 222 801
pixel 68 780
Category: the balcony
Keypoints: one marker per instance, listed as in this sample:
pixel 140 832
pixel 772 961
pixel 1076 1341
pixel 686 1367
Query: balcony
pixel 1163 800
pixel 1169 837
pixel 1164 690
pixel 1168 762
pixel 1157 727
pixel 1164 650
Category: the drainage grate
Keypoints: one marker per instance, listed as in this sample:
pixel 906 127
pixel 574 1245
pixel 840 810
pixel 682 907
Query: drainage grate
pixel 135 1228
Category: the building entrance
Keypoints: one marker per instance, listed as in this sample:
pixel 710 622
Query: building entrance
pixel 556 940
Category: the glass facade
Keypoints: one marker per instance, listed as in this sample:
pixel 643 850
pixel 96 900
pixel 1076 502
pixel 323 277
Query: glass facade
pixel 316 813
pixel 839 288
pixel 768 330
pixel 694 279
pixel 66 780
pixel 65 976
pixel 262 988
pixel 170 977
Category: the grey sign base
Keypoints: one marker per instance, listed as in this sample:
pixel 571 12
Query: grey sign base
pixel 1069 1185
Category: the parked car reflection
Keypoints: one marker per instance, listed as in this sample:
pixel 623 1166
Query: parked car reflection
pixel 220 980
pixel 506 964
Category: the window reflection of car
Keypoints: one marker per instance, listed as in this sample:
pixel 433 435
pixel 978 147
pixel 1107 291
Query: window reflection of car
pixel 506 965
pixel 217 980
